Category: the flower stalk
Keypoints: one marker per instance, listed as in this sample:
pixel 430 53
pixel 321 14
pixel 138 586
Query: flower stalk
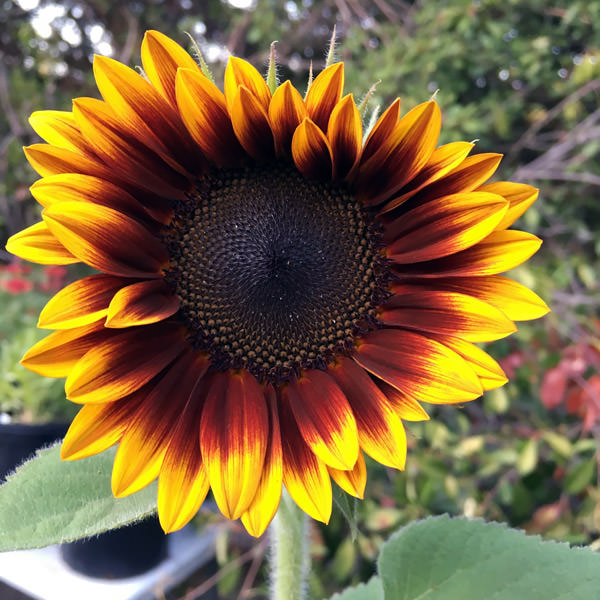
pixel 289 551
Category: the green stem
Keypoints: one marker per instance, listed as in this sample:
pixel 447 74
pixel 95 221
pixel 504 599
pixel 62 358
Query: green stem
pixel 289 551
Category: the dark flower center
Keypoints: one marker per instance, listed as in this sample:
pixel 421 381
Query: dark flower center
pixel 275 273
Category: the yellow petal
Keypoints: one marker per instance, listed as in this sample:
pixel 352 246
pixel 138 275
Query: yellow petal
pixel 305 476
pixel 418 366
pixel 324 418
pixel 344 133
pixel 241 73
pixel 520 197
pixel 263 507
pixel 58 128
pixel 204 113
pixel 354 481
pixel 37 244
pixel 97 427
pixel 251 124
pixel 82 302
pixel 487 369
pixel 311 151
pixel 324 93
pixel 123 363
pixel 286 112
pixel 443 160
pixel 141 303
pixel 233 439
pixel 161 57
pixel 150 429
pixel 59 352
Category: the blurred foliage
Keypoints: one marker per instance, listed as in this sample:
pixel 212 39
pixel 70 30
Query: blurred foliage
pixel 24 395
pixel 521 77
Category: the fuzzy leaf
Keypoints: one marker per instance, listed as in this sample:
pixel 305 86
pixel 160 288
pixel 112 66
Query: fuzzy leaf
pixel 48 501
pixel 455 559
pixel 372 590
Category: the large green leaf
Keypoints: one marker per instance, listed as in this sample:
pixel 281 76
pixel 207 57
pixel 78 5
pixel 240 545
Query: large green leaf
pixel 371 590
pixel 49 501
pixel 456 559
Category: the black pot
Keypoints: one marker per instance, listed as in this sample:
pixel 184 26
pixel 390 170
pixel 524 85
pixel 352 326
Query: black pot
pixel 119 553
pixel 19 441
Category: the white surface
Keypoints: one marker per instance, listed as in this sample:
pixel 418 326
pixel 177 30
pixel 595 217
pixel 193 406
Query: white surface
pixel 43 575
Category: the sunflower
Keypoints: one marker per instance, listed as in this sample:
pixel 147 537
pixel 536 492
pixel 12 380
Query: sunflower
pixel 275 296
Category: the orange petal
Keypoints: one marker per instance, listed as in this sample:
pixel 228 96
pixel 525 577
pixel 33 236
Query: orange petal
pixel 59 352
pixel 324 418
pixel 97 427
pixel 344 133
pixel 382 131
pixel 58 128
pixel 500 251
pixel 407 408
pixel 401 156
pixel 324 93
pixel 443 160
pixel 305 476
pixel 487 369
pixel 426 308
pixel 51 160
pixel 121 151
pixel 311 151
pixel 263 507
pixel 466 177
pixel 204 113
pixel 241 73
pixel 85 188
pixel 380 432
pixel 418 366
pixel 516 301
pixel 353 482
pixel 183 482
pixel 37 244
pixel 80 303
pixel 106 239
pixel 145 114
pixel 520 197
pixel 251 124
pixel 150 429
pixel 161 57
pixel 142 303
pixel 286 112
pixel 233 439
pixel 123 363
pixel 443 226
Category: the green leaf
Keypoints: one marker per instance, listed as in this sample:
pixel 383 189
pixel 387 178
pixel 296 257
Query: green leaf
pixel 372 590
pixel 347 506
pixel 49 501
pixel 581 476
pixel 456 559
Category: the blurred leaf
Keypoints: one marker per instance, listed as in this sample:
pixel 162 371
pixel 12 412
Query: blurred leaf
pixel 582 475
pixel 455 559
pixel 382 519
pixel 49 501
pixel 343 560
pixel 558 443
pixel 528 457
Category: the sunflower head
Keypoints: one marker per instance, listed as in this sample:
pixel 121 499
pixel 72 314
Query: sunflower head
pixel 274 296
